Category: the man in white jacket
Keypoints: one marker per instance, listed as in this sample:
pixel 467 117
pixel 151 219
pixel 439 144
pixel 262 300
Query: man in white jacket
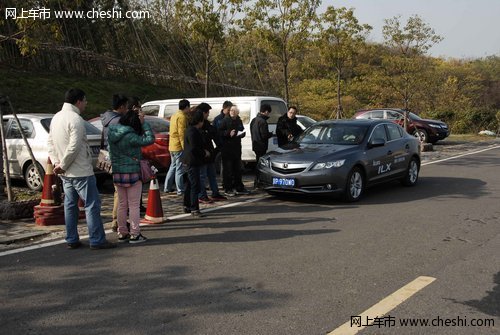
pixel 70 153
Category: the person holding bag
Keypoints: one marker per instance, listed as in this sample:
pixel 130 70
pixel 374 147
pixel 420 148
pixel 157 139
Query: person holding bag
pixel 125 140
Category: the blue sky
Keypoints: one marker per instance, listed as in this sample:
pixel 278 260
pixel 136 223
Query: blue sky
pixel 470 28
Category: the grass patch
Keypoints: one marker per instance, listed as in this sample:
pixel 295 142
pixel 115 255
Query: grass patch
pixel 38 92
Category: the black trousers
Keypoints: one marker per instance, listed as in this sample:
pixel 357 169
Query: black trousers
pixel 231 173
pixel 191 188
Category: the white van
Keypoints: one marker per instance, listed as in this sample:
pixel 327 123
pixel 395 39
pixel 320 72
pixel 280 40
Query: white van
pixel 249 108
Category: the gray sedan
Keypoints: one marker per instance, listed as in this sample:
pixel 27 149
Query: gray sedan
pixel 342 157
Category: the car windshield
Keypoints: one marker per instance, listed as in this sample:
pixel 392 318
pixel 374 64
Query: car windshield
pixel 306 121
pixel 333 133
pixel 91 130
pixel 414 116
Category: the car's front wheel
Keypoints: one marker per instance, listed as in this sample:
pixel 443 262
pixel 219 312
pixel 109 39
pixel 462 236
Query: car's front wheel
pixel 32 178
pixel 421 135
pixel 355 185
pixel 411 176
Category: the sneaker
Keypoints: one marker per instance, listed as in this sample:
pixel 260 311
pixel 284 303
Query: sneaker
pixel 74 245
pixel 123 237
pixel 205 200
pixel 197 214
pixel 229 193
pixel 218 197
pixel 105 245
pixel 243 192
pixel 137 239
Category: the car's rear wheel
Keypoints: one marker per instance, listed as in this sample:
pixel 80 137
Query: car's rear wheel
pixel 32 178
pixel 421 135
pixel 411 176
pixel 355 185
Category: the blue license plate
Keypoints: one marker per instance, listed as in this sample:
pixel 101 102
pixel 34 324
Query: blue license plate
pixel 285 182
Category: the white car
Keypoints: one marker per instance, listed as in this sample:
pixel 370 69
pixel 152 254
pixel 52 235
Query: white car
pixel 36 128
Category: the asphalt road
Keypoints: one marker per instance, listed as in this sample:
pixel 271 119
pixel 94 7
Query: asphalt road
pixel 282 266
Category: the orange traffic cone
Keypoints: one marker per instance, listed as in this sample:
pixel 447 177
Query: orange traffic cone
pixel 154 211
pixel 48 181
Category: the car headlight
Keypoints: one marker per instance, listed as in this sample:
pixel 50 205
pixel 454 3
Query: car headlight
pixel 264 162
pixel 434 125
pixel 329 165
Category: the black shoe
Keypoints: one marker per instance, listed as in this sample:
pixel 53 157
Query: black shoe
pixel 142 210
pixel 74 245
pixel 105 245
pixel 187 210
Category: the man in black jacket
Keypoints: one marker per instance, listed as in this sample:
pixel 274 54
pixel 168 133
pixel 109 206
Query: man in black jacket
pixel 287 129
pixel 193 156
pixel 259 130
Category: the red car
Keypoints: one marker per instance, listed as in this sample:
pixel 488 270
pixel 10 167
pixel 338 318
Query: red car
pixel 157 153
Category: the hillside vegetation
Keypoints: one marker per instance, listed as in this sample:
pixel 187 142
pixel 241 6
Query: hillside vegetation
pixel 37 92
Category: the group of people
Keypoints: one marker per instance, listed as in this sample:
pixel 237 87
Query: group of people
pixel 192 150
pixel 194 145
pixel 126 132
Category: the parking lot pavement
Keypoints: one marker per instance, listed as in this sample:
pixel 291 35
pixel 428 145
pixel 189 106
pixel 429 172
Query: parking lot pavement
pixel 23 232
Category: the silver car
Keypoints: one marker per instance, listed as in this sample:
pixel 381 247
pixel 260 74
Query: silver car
pixel 36 128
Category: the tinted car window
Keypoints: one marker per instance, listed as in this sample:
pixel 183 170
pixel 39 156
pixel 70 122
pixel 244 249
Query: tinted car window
pixel 394 131
pixel 151 110
pixel 159 125
pixel 26 125
pixel 392 115
pixel 379 133
pixel 376 115
pixel 339 134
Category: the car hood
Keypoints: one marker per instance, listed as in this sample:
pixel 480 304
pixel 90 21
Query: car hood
pixel 310 152
pixel 441 123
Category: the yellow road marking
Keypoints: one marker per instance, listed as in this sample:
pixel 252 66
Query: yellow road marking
pixel 384 306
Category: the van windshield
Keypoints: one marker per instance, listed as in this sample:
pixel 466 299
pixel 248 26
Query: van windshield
pixel 278 109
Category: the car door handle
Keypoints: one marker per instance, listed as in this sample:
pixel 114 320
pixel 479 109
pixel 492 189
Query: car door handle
pixel 389 152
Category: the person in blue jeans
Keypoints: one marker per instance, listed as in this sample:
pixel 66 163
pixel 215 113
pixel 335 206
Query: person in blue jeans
pixel 178 125
pixel 71 155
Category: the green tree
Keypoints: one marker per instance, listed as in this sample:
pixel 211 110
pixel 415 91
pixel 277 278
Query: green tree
pixel 207 22
pixel 405 66
pixel 284 26
pixel 340 38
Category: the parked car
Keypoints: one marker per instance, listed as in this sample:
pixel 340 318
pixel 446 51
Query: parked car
pixel 428 131
pixel 304 121
pixel 157 153
pixel 342 157
pixel 36 128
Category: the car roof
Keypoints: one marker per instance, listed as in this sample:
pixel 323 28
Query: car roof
pixel 30 115
pixel 358 122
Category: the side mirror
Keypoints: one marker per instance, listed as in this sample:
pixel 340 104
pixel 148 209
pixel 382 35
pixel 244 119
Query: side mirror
pixel 376 142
